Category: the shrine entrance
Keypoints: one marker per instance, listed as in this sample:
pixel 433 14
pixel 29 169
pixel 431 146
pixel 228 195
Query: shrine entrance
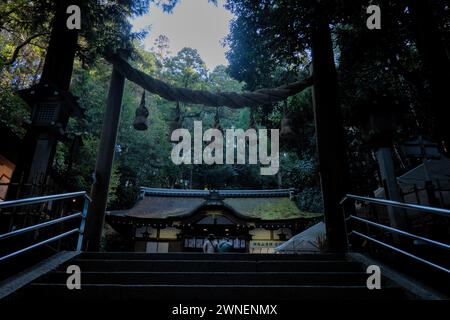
pixel 221 222
pixel 328 123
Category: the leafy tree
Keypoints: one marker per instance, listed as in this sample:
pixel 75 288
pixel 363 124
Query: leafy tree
pixel 162 45
pixel 270 42
pixel 186 69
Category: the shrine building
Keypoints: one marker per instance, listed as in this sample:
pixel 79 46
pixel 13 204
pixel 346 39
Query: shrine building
pixel 177 220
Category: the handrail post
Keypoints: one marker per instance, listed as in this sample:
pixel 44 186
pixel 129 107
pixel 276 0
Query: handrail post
pixel 348 209
pixel 83 223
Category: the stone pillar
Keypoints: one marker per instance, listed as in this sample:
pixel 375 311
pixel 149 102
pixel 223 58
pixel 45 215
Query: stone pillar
pixel 384 157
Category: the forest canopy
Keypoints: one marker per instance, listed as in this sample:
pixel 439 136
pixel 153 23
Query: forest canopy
pixel 400 68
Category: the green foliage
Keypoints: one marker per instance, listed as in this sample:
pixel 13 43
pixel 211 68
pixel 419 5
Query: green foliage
pixel 267 36
pixel 269 46
pixel 142 158
pixel 107 29
pixel 186 69
pixel 310 199
pixel 378 70
pixel 13 110
pixel 24 35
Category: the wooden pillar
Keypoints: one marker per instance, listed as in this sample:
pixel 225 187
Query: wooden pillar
pixel 105 157
pixel 329 134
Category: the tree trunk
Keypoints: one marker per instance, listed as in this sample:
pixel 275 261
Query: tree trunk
pixel 436 63
pixel 61 49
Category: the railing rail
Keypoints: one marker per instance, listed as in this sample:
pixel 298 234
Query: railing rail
pixel 33 246
pixel 393 248
pixel 44 199
pixel 404 233
pixel 39 226
pixel 390 203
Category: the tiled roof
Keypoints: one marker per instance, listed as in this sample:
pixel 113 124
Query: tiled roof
pixel 248 204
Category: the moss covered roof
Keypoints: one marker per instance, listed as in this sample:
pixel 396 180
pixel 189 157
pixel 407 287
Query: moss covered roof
pixel 248 204
pixel 268 208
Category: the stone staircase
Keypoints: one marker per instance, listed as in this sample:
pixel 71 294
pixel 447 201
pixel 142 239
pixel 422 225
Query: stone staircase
pixel 213 277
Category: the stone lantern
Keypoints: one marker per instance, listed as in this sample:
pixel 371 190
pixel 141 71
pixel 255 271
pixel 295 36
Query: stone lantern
pixel 51 109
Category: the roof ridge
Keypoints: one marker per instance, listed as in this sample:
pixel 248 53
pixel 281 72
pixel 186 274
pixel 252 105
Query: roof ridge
pixel 222 192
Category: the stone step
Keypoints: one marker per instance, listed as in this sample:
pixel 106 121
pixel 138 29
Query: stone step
pixel 202 256
pixel 213 278
pixel 202 293
pixel 213 266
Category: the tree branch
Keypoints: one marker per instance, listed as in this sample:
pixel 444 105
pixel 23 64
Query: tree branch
pixel 18 48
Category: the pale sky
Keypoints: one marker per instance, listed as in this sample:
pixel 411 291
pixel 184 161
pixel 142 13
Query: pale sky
pixel 193 23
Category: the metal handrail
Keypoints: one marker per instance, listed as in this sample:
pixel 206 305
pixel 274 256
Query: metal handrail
pixel 391 203
pixel 62 235
pixel 439 211
pixel 43 199
pixel 34 200
pixel 39 226
pixel 410 235
pixel 401 251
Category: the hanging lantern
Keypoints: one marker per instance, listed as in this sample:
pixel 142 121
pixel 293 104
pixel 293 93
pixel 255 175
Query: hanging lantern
pixel 216 124
pixel 140 120
pixel 177 120
pixel 174 125
pixel 287 125
pixel 251 122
